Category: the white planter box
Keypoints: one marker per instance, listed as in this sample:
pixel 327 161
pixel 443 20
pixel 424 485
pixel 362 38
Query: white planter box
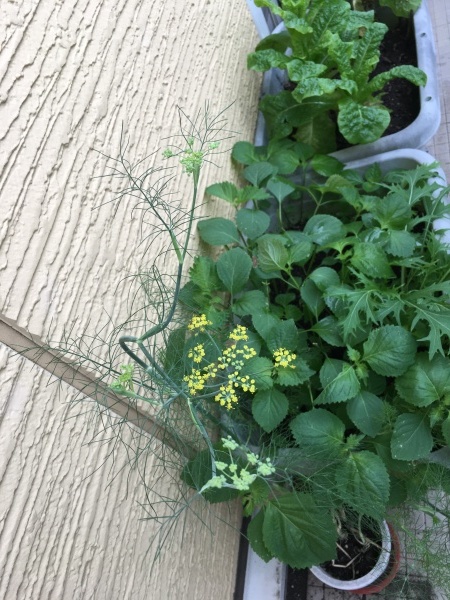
pixel 415 135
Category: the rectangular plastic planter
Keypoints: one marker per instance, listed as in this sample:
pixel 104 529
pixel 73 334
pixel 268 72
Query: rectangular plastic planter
pixel 415 135
pixel 267 581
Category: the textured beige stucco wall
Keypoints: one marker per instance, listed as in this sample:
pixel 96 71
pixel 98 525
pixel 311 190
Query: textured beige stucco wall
pixel 72 74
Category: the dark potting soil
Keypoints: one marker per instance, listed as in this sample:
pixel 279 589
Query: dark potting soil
pixel 360 558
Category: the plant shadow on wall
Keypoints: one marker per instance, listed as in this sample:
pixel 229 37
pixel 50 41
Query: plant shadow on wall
pixel 304 369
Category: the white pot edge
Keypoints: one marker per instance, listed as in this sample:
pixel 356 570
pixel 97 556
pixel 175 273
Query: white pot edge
pixel 373 575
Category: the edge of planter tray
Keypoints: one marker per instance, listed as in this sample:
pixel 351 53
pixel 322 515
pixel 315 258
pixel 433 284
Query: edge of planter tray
pixel 419 132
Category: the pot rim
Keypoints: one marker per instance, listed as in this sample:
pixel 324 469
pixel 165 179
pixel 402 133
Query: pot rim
pixel 362 582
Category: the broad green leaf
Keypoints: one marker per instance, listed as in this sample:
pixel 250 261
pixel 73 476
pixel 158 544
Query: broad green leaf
pixel 312 297
pixel 411 438
pixel 280 189
pixel 259 369
pixel 392 212
pixel 300 251
pixel 329 330
pixel 426 381
pixel 363 484
pixel 324 277
pixel 249 303
pixel 252 223
pixel 286 161
pixel 255 536
pixel 264 322
pixel 288 376
pixel 226 191
pixel 367 412
pixel 283 335
pixel 324 229
pixel 258 172
pixel 390 350
pixel 272 254
pixel 319 432
pixel 326 165
pixel 245 153
pixel 298 532
pixel 269 408
pixel 233 269
pixel 339 382
pixel 218 231
pixel 400 243
pixel 371 260
pixel 361 124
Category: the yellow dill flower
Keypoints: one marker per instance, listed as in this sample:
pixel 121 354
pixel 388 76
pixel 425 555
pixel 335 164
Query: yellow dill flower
pixel 198 323
pixel 239 333
pixel 196 381
pixel 248 353
pixel 247 384
pixel 284 358
pixel 226 396
pixel 197 353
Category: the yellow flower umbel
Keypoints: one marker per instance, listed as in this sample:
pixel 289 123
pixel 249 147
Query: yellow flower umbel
pixel 223 378
pixel 239 333
pixel 284 358
pixel 198 323
pixel 197 353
